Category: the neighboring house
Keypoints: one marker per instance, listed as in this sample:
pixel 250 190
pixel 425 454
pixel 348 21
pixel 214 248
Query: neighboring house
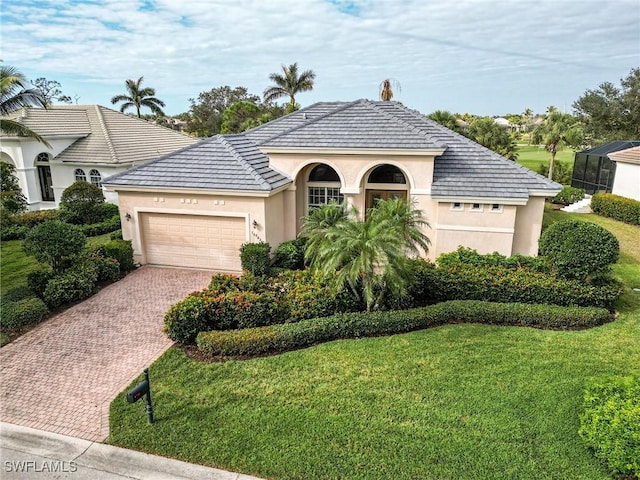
pixel 88 142
pixel 594 170
pixel 627 177
pixel 195 207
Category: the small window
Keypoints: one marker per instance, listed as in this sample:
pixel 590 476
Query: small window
pixel 95 177
pixel 476 207
pixel 496 207
pixel 42 157
pixel 387 174
pixel 457 206
pixel 80 175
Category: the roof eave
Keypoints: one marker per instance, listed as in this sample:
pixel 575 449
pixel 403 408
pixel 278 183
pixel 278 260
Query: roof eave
pixel 432 152
pixel 195 191
pixel 472 199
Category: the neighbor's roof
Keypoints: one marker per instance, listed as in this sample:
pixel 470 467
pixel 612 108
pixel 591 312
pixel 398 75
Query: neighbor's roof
pixel 223 162
pixel 611 147
pixel 629 155
pixel 465 169
pixel 104 135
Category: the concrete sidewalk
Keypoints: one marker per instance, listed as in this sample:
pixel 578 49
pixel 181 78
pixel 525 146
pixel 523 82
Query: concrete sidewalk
pixel 28 453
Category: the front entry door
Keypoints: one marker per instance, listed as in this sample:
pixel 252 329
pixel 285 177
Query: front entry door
pixel 46 185
pixel 374 196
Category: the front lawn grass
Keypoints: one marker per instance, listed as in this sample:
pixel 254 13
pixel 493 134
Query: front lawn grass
pixel 531 156
pixel 457 401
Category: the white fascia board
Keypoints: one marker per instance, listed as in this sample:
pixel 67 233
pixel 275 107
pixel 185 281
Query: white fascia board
pixel 502 201
pixel 355 151
pixel 193 191
pixel 545 193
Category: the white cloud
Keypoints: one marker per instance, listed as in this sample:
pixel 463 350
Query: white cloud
pixel 481 56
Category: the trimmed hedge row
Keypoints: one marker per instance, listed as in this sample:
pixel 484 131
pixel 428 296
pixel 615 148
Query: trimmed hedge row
pixel 101 228
pixel 469 256
pixel 290 336
pixel 499 284
pixel 610 423
pixel 614 206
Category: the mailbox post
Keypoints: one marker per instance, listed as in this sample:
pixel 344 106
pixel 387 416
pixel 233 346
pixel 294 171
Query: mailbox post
pixel 141 390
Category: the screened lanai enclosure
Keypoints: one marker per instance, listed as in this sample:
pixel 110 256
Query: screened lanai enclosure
pixel 594 171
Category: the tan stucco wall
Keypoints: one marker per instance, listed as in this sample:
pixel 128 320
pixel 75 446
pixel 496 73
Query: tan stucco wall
pixel 278 226
pixel 134 203
pixel 486 231
pixel 528 227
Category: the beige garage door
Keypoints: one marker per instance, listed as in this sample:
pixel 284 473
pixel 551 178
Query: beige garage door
pixel 196 241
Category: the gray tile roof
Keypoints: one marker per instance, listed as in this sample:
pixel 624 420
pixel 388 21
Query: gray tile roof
pixel 465 169
pixel 104 135
pixel 356 125
pixel 223 162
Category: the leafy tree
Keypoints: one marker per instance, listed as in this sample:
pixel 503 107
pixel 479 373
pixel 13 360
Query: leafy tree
pixel 53 242
pixel 206 115
pixel 50 90
pixel 12 199
pixel 138 97
pixel 14 95
pixel 239 117
pixel 579 250
pixel 289 84
pixel 556 131
pixel 610 113
pixel 447 119
pixel 80 203
pixel 369 255
pixel 488 133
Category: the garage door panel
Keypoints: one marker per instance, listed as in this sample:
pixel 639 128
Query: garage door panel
pixel 197 241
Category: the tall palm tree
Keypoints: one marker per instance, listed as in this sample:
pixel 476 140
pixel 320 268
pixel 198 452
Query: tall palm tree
pixel 386 89
pixel 288 84
pixel 139 97
pixel 558 130
pixel 14 95
pixel 370 255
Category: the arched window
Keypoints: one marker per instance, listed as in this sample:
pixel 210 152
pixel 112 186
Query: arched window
pixel 42 158
pixel 323 186
pixel 80 175
pixel 95 177
pixel 387 174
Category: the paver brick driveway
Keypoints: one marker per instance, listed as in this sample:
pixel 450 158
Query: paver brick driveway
pixel 62 375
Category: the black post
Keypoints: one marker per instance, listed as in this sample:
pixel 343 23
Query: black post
pixel 149 406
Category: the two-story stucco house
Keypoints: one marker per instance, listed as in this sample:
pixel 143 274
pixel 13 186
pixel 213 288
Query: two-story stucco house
pixel 196 206
pixel 88 142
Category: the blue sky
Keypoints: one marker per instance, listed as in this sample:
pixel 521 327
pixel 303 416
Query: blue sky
pixel 488 57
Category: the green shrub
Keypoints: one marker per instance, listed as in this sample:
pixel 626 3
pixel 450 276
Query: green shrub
pixel 186 318
pixel 105 211
pixel 80 203
pixel 290 255
pixel 36 217
pixel 223 282
pixel 562 172
pixel 108 269
pixel 614 206
pixel 610 423
pixel 468 256
pixel 107 226
pixel 25 311
pixel 568 195
pixel 37 280
pixel 53 242
pixel 499 284
pixel 255 258
pixel 289 336
pixel 18 293
pixel 579 250
pixel 13 232
pixel 74 285
pixel 117 235
pixel 122 251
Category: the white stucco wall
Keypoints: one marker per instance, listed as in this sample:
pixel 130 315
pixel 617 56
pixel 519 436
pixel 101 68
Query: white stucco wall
pixel 627 180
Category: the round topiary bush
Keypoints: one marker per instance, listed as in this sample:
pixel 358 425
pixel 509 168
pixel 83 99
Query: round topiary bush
pixel 579 250
pixel 81 203
pixel 53 242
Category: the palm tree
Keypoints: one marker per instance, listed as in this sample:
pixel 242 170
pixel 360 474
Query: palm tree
pixel 386 89
pixel 14 95
pixel 558 130
pixel 139 97
pixel 370 255
pixel 289 84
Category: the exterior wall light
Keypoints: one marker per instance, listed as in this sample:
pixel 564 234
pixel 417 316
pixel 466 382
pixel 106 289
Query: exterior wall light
pixel 128 217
